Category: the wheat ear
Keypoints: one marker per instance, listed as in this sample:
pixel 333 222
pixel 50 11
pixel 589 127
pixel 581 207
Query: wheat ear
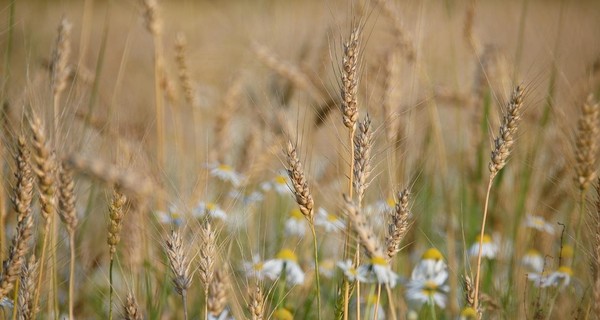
pixel 180 266
pixel 363 141
pixel 217 298
pixel 21 202
pixel 132 310
pixel 27 290
pixel 502 148
pixel 256 305
pixel 115 214
pixel 399 225
pixel 306 203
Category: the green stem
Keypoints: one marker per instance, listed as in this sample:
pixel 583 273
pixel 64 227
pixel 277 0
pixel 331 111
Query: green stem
pixel 72 275
pixel 432 308
pixel 316 249
pixel 485 211
pixel 110 292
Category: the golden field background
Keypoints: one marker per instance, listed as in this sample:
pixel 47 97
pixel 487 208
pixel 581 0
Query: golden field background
pixel 433 117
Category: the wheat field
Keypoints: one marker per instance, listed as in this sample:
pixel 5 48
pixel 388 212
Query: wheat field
pixel 339 159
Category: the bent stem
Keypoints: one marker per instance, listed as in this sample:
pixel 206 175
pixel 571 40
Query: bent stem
pixel 482 233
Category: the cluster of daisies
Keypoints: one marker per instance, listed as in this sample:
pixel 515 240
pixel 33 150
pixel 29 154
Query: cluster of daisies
pixel 427 282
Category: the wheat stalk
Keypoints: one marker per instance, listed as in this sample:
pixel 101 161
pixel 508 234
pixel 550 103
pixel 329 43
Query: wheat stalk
pixel 363 141
pixel 68 214
pixel 502 148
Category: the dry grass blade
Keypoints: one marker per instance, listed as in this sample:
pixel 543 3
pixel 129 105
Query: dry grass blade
pixel 299 183
pixel 22 206
pixel 399 225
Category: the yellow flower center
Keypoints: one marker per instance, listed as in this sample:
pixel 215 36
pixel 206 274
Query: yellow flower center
pixel 332 218
pixel 566 270
pixel 532 253
pixel 296 214
pixel 391 202
pixel 210 206
pixel 429 288
pixel 287 254
pixel 257 266
pixel 468 313
pixel 378 261
pixel 539 222
pixel 432 254
pixel 486 238
pixel 280 179
pixel 283 314
pixel 567 251
pixel 224 167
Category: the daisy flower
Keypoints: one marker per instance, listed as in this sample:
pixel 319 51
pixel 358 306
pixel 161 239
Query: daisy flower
pixel 385 205
pixel 379 269
pixel 533 260
pixel 280 184
pixel 226 173
pixel 425 291
pixel 352 273
pixel 538 223
pixel 285 261
pixel 173 216
pixel 371 302
pixel 254 268
pixel 210 208
pixel 330 222
pixel 431 265
pixel 489 247
pixel 559 278
pixel 295 224
pixel 327 268
pixel 246 199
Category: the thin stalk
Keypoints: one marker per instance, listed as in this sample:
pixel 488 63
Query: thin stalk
pixel 552 302
pixel 485 211
pixel 184 300
pixel 38 289
pixel 376 302
pixel 349 228
pixel 391 302
pixel 432 307
pixel 72 276
pixel 316 248
pixel 581 206
pixel 111 289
